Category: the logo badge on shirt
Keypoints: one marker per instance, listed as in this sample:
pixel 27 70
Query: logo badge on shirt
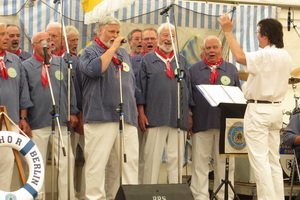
pixel 126 67
pixel 12 73
pixel 225 80
pixel 59 75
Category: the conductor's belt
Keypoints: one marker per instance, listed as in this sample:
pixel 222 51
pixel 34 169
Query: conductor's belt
pixel 262 101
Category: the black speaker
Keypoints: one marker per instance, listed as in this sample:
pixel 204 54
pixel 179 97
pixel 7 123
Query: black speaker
pixel 298 196
pixel 154 192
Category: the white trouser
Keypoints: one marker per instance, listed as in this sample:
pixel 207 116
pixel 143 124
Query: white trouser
pixel 160 139
pixel 101 151
pixel 41 138
pixel 78 140
pixel 142 142
pixel 262 124
pixel 7 164
pixel 206 143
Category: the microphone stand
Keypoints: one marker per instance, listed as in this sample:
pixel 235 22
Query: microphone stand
pixel 121 121
pixel 55 117
pixel 70 67
pixel 180 75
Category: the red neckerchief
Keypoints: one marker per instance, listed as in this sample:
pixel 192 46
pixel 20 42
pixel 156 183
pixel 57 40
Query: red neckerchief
pixel 214 71
pixel 169 70
pixel 2 66
pixel 60 53
pixel 74 54
pixel 44 77
pixel 143 53
pixel 18 51
pixel 114 58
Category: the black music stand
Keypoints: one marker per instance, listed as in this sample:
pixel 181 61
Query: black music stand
pixel 228 110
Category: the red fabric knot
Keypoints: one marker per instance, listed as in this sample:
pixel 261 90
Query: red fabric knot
pixel 214 70
pixel 115 59
pixel 60 53
pixel 169 70
pixel 2 66
pixel 18 51
pixel 44 77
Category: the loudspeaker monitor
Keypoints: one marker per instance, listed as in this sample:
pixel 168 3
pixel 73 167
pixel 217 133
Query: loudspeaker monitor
pixel 154 192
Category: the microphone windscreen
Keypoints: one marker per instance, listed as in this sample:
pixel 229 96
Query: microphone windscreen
pixel 44 43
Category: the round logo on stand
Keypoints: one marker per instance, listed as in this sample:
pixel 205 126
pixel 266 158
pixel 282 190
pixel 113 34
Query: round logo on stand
pixel 236 138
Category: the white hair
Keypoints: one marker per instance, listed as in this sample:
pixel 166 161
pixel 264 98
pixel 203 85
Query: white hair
pixel 53 24
pixel 71 30
pixel 165 26
pixel 212 37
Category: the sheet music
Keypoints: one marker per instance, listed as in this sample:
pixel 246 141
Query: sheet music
pixel 235 94
pixel 216 94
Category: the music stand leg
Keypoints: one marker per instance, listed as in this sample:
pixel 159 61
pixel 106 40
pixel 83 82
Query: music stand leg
pixel 225 182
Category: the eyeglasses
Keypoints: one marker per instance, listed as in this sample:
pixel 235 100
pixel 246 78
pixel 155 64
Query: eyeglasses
pixel 151 39
pixel 137 39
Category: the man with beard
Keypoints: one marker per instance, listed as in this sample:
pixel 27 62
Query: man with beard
pixel 14 95
pixel 58 42
pixel 14 34
pixel 157 107
pixel 206 119
pixel 149 43
pixel 99 64
pixel 135 42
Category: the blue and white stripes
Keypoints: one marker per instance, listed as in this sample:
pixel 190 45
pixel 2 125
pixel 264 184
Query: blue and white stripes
pixel 35 15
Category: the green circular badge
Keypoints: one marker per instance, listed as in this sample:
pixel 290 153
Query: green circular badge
pixel 59 75
pixel 225 80
pixel 126 67
pixel 12 73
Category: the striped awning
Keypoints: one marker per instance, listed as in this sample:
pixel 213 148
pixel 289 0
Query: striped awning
pixel 35 15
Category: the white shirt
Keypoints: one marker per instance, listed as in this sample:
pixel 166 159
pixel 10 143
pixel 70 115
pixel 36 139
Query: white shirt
pixel 269 70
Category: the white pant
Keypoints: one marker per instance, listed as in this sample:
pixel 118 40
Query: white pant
pixel 160 139
pixel 142 142
pixel 41 138
pixel 262 124
pixel 206 143
pixel 7 164
pixel 101 152
pixel 78 140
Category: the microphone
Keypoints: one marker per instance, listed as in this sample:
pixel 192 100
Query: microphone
pixel 124 41
pixel 289 20
pixel 165 10
pixel 45 49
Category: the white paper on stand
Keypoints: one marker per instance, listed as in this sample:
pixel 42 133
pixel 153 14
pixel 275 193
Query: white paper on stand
pixel 216 94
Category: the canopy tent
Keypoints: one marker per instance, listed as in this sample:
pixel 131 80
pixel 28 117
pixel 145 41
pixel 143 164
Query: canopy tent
pixel 192 16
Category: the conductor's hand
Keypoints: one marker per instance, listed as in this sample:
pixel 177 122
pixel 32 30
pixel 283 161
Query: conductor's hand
pixel 143 122
pixel 73 121
pixel 226 23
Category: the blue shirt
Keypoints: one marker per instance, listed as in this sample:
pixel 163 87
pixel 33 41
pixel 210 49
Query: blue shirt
pixel 159 92
pixel 39 115
pixel 14 94
pixel 204 115
pixel 101 90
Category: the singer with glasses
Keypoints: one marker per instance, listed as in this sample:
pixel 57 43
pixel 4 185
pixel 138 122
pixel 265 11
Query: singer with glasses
pixel 269 70
pixel 99 64
pixel 39 117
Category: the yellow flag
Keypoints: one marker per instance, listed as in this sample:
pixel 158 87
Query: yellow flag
pixel 95 9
